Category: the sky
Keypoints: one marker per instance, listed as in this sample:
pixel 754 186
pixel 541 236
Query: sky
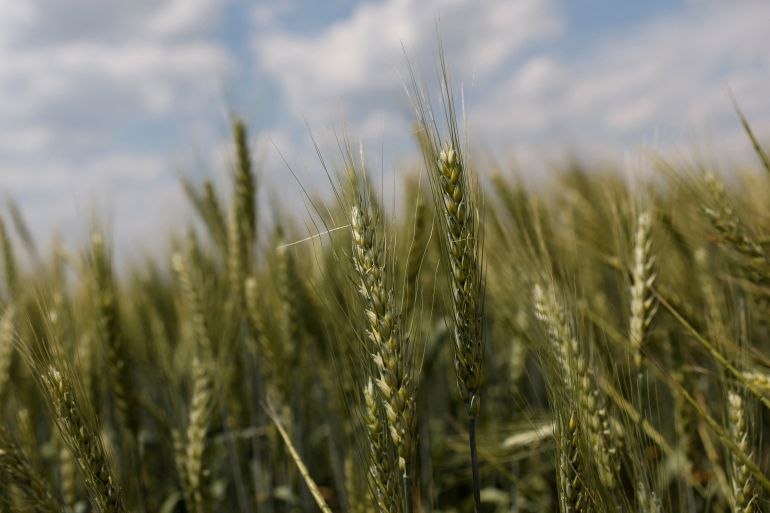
pixel 103 103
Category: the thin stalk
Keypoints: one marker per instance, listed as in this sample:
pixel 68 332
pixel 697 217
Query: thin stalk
pixel 474 464
pixel 408 507
pixel 141 487
pixel 304 472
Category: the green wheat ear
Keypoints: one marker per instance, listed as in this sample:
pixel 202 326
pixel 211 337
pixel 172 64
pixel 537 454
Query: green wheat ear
pixel 9 261
pixel 81 436
pixel 245 183
pixel 464 270
pixel 111 334
pixel 199 420
pixel 457 204
pixel 391 351
pixel 19 471
pixel 6 347
pixel 643 304
pixel 744 497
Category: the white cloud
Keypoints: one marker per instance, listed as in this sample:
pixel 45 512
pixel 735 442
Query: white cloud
pixel 528 85
pixel 264 14
pixel 76 78
pixel 39 23
pixel 665 80
pixel 362 54
pixel 141 58
pixel 184 17
pixel 137 197
pixel 26 140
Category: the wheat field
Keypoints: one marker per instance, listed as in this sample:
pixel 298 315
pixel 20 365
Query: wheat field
pixel 585 344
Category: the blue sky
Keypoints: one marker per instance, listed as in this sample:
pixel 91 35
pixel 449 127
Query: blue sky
pixel 102 103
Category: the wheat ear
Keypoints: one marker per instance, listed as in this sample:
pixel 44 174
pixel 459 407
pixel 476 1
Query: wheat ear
pixel 245 183
pixel 9 262
pixel 643 304
pixel 19 471
pixel 200 417
pixel 83 441
pixel 573 367
pixel 6 348
pixel 110 334
pixel 571 493
pixel 381 471
pixel 391 353
pixel 744 496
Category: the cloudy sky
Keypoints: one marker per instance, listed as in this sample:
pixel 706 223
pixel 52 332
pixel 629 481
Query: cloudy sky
pixel 103 103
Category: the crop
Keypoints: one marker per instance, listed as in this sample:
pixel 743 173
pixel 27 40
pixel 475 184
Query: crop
pixel 618 334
